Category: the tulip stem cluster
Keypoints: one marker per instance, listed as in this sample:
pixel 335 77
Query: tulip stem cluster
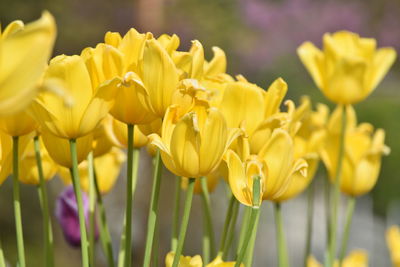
pixel 185 221
pixel 208 236
pixel 17 204
pixel 175 215
pixel 332 246
pixel 153 212
pixel 346 232
pixel 47 227
pixel 78 195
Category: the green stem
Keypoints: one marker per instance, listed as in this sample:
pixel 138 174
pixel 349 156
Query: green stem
pixel 105 236
pixel 336 194
pixel 255 210
pixel 17 205
pixel 155 248
pixel 78 196
pixel 245 222
pixel 283 260
pixel 208 235
pixel 327 200
pixel 129 199
pixel 228 218
pixel 121 253
pixel 92 205
pixel 175 223
pixel 231 230
pixel 44 204
pixel 248 259
pixel 346 234
pixel 185 221
pixel 153 212
pixel 310 214
pixel 2 260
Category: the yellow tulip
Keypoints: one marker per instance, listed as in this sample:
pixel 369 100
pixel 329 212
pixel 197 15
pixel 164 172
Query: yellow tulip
pixel 217 65
pixel 101 141
pixel 356 258
pixel 192 146
pixel 393 242
pixel 29 171
pixel 362 154
pixel 24 52
pixel 20 123
pixel 272 116
pixel 107 169
pixel 159 76
pixel 349 68
pixel 106 63
pixel 279 155
pixel 59 148
pixel 184 261
pixel 90 105
pixel 241 105
pixel 307 144
pixel 6 155
pixel 242 175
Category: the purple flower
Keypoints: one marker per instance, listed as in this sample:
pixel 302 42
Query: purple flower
pixel 67 216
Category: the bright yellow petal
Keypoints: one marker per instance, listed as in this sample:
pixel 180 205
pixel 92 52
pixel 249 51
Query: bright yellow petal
pixel 184 261
pixel 23 58
pixel 382 61
pixel 312 58
pixel 274 97
pixel 217 64
pixel 159 76
pixel 238 179
pixel 185 146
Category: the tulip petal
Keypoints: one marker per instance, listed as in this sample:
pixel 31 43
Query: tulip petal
pixel 23 57
pixel 217 64
pixel 382 61
pixel 312 58
pixel 185 146
pixel 274 97
pixel 238 179
pixel 159 76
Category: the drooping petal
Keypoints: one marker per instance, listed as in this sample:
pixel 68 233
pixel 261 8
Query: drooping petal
pixel 312 58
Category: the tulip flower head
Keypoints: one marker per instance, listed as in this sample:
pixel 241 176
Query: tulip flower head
pixel 25 50
pixel 90 105
pixel 356 258
pixel 193 146
pixel 348 68
pixel 362 154
pixel 67 215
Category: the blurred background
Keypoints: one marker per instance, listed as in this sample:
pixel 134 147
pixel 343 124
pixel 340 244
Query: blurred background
pixel 260 38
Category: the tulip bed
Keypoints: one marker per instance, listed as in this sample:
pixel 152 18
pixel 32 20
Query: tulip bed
pixel 83 116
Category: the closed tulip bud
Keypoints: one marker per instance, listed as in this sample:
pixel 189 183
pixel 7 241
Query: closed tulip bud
pixel 184 261
pixel 90 105
pixel 29 171
pixel 107 168
pixel 393 243
pixel 192 146
pixel 348 68
pixel 362 153
pixel 25 51
pixel 59 148
pixel 67 216
pixel 18 124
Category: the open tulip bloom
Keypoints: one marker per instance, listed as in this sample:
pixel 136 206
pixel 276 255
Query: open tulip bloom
pixel 74 116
